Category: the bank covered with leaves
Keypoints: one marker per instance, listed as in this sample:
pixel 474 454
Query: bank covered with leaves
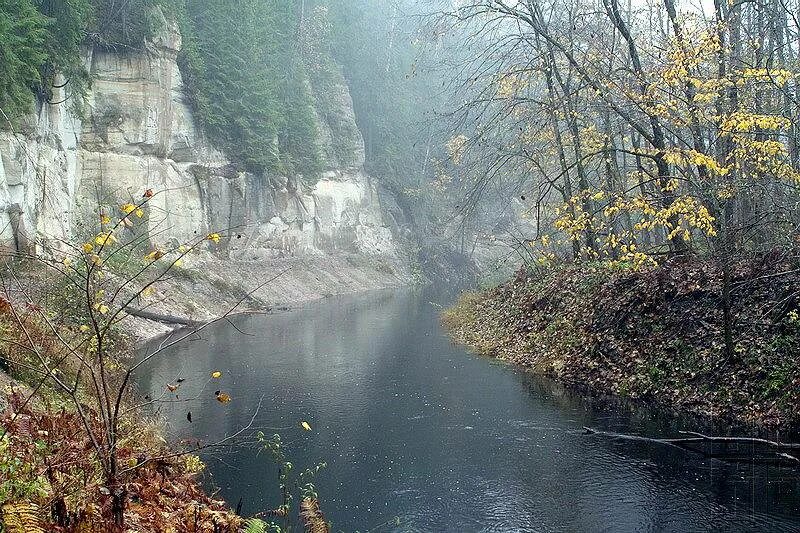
pixel 52 480
pixel 652 334
pixel 81 449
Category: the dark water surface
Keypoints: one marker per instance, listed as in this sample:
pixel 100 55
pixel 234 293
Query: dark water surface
pixel 414 427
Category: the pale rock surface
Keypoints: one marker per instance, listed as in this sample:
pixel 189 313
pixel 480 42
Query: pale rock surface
pixel 138 134
pixel 58 170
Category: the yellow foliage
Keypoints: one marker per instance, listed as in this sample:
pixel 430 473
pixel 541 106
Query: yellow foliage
pixel 456 147
pixel 745 122
pixel 193 464
pixel 155 254
pixel 508 85
pixel 779 77
pixel 677 156
pixel 106 237
pixel 22 517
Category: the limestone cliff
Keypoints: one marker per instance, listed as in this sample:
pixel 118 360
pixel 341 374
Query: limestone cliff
pixel 137 133
pixel 324 234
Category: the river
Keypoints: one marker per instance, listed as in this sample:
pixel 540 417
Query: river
pixel 413 427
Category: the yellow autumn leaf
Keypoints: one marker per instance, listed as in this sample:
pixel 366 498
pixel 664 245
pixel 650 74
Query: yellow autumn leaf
pixel 148 291
pixel 305 425
pixel 215 237
pixel 128 208
pixel 104 219
pixel 104 238
pixel 67 261
pixel 96 260
pixel 155 254
pixel 139 213
pixel 216 374
pixel 222 397
pixel 84 328
pixel 87 247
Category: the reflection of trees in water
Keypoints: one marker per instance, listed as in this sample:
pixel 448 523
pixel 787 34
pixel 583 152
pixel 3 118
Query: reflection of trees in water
pixel 389 398
pixel 743 483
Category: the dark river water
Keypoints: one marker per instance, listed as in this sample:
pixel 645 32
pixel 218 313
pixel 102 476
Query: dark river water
pixel 413 427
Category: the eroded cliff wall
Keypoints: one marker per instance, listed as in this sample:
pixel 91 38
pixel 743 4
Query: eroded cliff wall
pixel 58 169
pixel 315 236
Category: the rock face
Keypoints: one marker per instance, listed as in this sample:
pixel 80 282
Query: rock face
pixel 58 170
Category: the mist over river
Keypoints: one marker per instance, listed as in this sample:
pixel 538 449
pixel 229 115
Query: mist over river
pixel 411 426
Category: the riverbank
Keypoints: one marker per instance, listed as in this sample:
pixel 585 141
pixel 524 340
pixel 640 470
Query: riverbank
pixel 161 482
pixel 208 287
pixel 654 335
pixel 54 444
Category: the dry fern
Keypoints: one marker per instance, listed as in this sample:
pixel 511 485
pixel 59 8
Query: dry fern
pixel 313 519
pixel 22 517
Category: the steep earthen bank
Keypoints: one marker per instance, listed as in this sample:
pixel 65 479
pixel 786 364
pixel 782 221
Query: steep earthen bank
pixel 654 335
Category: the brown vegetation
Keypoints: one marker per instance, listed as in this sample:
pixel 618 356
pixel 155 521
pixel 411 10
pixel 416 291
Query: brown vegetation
pixel 654 334
pixel 59 484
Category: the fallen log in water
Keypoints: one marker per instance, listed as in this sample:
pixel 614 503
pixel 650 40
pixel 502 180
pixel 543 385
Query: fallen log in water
pixel 753 440
pixel 695 438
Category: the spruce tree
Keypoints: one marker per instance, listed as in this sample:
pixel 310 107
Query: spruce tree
pixel 23 33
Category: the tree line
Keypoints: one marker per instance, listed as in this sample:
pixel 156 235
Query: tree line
pixel 41 40
pixel 634 131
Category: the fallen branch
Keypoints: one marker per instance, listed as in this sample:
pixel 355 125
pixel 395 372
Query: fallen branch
pixel 753 440
pixel 671 442
pixel 158 317
pixel 683 442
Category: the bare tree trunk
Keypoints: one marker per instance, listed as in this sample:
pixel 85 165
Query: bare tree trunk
pixel 566 190
pixel 658 139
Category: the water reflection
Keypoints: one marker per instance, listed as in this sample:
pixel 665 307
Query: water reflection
pixel 414 427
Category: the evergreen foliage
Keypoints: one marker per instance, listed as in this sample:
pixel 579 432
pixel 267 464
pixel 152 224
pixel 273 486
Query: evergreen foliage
pixel 23 33
pixel 325 75
pixel 246 84
pixel 40 44
pixel 67 29
pixel 376 49
pixel 125 24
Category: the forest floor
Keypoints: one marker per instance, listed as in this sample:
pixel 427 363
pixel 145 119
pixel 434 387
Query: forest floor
pixel 654 335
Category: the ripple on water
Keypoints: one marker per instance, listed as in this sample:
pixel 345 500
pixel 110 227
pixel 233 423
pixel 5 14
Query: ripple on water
pixel 412 426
